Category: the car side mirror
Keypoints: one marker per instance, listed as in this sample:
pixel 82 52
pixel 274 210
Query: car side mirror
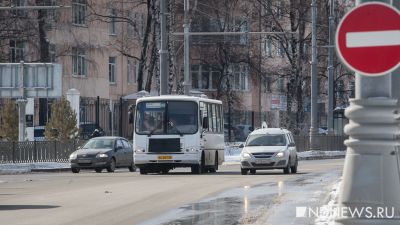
pixel 241 146
pixel 205 122
pixel 292 144
pixel 118 148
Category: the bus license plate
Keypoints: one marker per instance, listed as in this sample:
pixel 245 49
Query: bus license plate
pixel 164 157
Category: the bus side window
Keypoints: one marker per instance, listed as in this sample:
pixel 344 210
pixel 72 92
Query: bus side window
pixel 210 122
pixel 203 113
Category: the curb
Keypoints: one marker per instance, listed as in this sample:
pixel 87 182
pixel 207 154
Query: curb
pixel 56 170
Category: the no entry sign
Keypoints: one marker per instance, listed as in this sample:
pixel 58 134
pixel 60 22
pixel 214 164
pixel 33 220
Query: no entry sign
pixel 368 39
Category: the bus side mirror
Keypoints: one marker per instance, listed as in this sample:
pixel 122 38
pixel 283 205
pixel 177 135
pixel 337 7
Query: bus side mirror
pixel 205 122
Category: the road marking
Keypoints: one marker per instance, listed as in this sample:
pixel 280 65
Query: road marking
pixel 372 39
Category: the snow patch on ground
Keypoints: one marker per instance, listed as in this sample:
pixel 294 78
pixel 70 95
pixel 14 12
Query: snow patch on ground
pixel 326 217
pixel 12 168
pixel 314 154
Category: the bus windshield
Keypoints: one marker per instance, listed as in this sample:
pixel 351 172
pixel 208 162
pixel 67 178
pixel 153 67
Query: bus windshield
pixel 166 117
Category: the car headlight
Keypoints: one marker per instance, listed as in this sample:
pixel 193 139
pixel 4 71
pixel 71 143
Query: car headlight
pixel 280 154
pixel 246 155
pixel 72 156
pixel 101 155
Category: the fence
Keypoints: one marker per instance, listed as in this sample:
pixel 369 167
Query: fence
pixel 37 151
pixel 55 151
pixel 326 142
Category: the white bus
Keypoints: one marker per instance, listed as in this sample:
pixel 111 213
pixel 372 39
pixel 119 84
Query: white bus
pixel 178 131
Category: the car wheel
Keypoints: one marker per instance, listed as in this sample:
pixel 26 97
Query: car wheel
pixel 294 168
pixel 252 171
pixel 286 170
pixel 98 170
pixel 132 168
pixel 75 170
pixel 244 171
pixel 111 167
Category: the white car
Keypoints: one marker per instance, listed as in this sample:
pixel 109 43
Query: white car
pixel 269 148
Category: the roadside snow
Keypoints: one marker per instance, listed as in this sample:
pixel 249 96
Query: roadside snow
pixel 318 154
pixel 326 217
pixel 12 168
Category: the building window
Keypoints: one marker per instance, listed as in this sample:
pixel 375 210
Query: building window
pixel 16 51
pixel 204 77
pixel 113 22
pixel 52 53
pixel 19 13
pixel 51 15
pixel 240 74
pixel 111 69
pixel 132 71
pixel 79 12
pixel 267 48
pixel 281 50
pixel 78 62
pixel 136 25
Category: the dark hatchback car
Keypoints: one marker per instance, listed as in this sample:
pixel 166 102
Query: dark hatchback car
pixel 103 153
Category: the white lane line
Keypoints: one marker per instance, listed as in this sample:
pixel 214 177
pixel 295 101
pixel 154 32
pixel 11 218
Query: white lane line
pixel 372 39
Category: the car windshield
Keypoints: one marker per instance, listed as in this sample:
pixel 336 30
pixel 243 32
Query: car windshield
pixel 99 143
pixel 266 140
pixel 167 117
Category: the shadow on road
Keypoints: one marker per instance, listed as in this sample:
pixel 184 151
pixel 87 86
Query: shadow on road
pixel 19 207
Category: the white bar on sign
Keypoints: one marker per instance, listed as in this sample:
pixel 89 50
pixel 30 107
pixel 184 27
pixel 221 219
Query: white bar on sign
pixel 372 39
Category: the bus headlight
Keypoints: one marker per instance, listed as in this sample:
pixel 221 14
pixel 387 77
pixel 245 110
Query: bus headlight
pixel 191 150
pixel 139 150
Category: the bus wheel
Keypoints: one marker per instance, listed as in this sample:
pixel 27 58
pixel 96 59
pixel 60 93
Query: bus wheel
pixel 143 170
pixel 215 167
pixel 164 170
pixel 196 169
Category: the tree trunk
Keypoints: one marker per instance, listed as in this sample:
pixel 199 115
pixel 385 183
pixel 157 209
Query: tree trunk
pixel 145 44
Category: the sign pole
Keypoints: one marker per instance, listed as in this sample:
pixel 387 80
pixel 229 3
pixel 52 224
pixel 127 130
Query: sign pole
pixel 371 175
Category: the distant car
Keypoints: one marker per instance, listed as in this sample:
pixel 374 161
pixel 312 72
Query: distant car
pixel 38 133
pixel 269 148
pixel 87 129
pixel 103 153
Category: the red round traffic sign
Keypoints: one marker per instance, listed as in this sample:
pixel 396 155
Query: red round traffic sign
pixel 368 39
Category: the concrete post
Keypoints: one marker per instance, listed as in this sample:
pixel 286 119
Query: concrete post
pixel 163 51
pixel 372 165
pixel 186 59
pixel 73 96
pixel 314 81
pixel 331 68
pixel 21 121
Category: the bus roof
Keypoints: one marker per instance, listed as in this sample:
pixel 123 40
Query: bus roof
pixel 177 98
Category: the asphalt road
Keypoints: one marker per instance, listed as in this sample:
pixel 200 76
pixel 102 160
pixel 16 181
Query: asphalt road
pixel 123 197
